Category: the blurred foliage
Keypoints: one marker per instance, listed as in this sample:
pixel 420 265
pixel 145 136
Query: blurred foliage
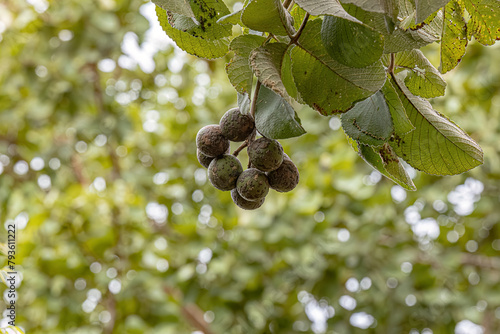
pixel 120 233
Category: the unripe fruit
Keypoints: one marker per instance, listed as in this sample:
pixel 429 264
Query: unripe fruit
pixel 205 160
pixel 211 142
pixel 235 126
pixel 223 172
pixel 243 203
pixel 285 178
pixel 252 184
pixel 265 154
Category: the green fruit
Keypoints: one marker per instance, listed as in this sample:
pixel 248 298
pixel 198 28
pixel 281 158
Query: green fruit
pixel 252 184
pixel 243 203
pixel 205 160
pixel 211 142
pixel 235 126
pixel 265 154
pixel 285 178
pixel 223 172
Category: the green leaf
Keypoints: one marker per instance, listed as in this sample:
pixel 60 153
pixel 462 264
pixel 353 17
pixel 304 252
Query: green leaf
pixel 323 83
pixel 350 43
pixel 238 69
pixel 422 79
pixel 400 120
pixel 390 166
pixel 287 77
pixel 484 23
pixel 368 5
pixel 268 16
pixel 233 18
pixel 426 7
pixel 454 39
pixel 369 121
pixel 266 63
pixel 326 7
pixel 437 146
pixel 274 117
pixel 196 46
pixel 182 7
pixel 243 101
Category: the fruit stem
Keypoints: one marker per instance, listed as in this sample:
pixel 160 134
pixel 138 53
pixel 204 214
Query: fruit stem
pixel 240 148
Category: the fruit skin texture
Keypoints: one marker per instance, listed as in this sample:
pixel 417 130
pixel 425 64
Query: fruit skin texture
pixel 211 142
pixel 223 172
pixel 252 184
pixel 205 160
pixel 285 178
pixel 265 154
pixel 243 203
pixel 235 126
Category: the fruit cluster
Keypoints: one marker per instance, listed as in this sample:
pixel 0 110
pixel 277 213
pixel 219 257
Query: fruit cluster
pixel 269 166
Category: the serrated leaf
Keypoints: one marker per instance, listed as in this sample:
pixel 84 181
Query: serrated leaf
pixel 182 7
pixel 326 85
pixel 238 69
pixel 350 43
pixel 369 121
pixel 390 166
pixel 436 146
pixel 326 7
pixel 243 101
pixel 426 7
pixel 484 23
pixel 422 79
pixel 196 46
pixel 268 16
pixel 266 63
pixel 274 117
pixel 454 39
pixel 400 120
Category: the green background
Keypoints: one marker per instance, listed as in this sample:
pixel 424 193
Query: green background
pixel 120 232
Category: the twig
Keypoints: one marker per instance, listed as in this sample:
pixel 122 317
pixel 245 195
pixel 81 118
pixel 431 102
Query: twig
pixel 240 148
pixel 392 64
pixel 295 38
pixel 254 101
pixel 287 3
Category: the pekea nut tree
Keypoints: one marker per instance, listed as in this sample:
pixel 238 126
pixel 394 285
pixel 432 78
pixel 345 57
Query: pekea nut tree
pixel 354 58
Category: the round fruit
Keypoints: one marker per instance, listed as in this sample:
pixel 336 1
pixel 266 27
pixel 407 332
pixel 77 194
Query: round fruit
pixel 265 154
pixel 235 126
pixel 243 203
pixel 211 142
pixel 205 160
pixel 252 184
pixel 223 172
pixel 285 178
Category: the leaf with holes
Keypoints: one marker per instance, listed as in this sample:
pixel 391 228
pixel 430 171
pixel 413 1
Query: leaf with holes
pixel 274 117
pixel 484 23
pixel 268 16
pixel 238 69
pixel 266 63
pixel 436 146
pixel 369 121
pixel 454 40
pixel 325 84
pixel 326 7
pixel 196 46
pixel 350 43
pixel 422 78
pixel 400 120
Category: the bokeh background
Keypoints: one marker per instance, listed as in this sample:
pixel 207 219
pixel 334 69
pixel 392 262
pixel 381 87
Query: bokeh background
pixel 120 232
